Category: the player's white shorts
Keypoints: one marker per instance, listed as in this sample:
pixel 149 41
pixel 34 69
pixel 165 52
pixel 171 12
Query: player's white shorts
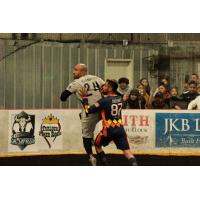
pixel 89 123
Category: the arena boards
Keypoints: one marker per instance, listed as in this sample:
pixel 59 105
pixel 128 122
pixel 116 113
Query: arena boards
pixel 51 131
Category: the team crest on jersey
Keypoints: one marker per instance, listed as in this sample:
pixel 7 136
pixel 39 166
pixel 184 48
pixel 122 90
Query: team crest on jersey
pixel 23 130
pixel 50 129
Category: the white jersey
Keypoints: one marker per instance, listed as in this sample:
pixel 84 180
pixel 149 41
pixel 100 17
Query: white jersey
pixel 91 84
pixel 194 104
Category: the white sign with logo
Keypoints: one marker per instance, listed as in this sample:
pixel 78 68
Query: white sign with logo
pixel 35 130
pixel 148 131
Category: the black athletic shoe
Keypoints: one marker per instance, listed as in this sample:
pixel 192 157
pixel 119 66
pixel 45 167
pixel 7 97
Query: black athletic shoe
pixel 101 157
pixel 133 162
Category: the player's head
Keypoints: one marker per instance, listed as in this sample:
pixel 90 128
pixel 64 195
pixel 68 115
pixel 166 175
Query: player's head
pixel 79 70
pixel 110 86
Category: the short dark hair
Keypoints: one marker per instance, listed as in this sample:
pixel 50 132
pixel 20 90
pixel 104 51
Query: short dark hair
pixel 134 92
pixel 113 83
pixel 194 74
pixel 174 87
pixel 192 82
pixel 123 80
pixel 162 84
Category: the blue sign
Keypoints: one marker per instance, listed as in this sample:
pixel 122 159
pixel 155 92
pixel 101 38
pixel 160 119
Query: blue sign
pixel 177 129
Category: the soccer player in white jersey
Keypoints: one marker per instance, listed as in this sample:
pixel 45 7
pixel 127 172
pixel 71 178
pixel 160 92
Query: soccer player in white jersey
pixel 92 84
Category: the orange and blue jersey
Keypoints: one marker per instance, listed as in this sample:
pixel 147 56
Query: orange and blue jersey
pixel 110 108
pixel 113 130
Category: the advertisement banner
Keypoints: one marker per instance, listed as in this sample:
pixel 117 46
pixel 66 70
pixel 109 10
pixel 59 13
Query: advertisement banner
pixel 50 130
pixel 178 130
pixel 21 131
pixel 59 131
pixel 34 131
pixel 139 127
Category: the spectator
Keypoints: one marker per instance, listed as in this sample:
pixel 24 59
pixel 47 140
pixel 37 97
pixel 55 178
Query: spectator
pixel 142 92
pixel 174 101
pixel 158 101
pixel 164 81
pixel 186 87
pixel 123 84
pixel 145 82
pixel 194 104
pixel 123 88
pixel 135 100
pixel 161 98
pixel 191 94
pixel 194 77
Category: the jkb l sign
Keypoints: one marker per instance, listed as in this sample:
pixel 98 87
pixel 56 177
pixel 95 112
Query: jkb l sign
pixel 178 129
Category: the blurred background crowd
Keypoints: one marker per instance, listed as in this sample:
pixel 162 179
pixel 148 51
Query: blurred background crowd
pixel 165 96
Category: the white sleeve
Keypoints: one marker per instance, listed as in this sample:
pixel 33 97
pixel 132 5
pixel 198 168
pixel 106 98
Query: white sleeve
pixel 101 82
pixel 73 87
pixel 192 104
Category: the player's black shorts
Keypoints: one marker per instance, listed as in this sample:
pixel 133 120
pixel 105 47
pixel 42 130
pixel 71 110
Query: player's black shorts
pixel 117 135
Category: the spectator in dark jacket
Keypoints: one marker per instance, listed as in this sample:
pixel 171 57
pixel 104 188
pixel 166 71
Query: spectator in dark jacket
pixel 161 98
pixel 135 100
pixel 164 81
pixel 175 100
pixel 191 94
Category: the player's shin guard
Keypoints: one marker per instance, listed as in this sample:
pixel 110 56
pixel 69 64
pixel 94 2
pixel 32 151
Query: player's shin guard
pixel 102 158
pixel 132 161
